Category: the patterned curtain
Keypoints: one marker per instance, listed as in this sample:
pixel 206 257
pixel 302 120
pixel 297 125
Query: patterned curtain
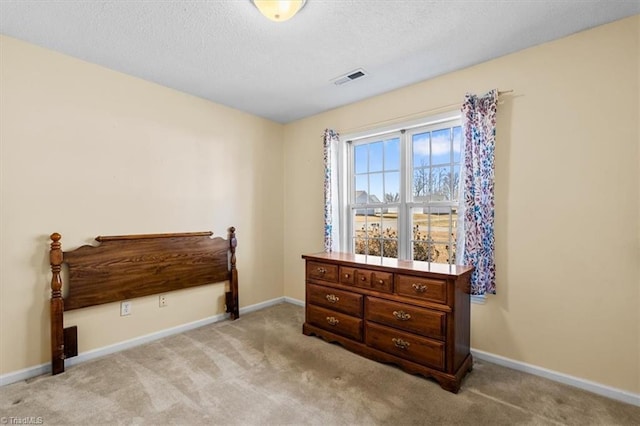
pixel 479 133
pixel 331 211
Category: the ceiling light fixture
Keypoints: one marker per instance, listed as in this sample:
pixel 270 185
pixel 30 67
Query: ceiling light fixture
pixel 279 10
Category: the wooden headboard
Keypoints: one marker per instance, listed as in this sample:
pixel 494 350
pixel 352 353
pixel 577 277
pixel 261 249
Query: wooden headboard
pixel 128 266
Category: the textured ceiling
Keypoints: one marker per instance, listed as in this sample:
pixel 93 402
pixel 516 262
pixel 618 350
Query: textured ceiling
pixel 225 51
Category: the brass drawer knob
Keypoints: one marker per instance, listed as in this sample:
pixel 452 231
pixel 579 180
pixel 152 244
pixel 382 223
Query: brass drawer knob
pixel 332 298
pixel 333 321
pixel 346 275
pixel 363 278
pixel 419 288
pixel 321 271
pixel 400 344
pixel 402 315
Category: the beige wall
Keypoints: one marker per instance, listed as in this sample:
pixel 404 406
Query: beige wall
pixel 567 199
pixel 86 151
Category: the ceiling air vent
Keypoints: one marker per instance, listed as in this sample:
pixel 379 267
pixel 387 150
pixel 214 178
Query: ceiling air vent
pixel 353 75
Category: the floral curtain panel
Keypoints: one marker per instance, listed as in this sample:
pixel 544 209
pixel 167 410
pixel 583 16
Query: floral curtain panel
pixel 331 222
pixel 479 132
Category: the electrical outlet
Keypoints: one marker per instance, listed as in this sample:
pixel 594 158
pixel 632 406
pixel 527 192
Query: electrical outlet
pixel 162 300
pixel 125 308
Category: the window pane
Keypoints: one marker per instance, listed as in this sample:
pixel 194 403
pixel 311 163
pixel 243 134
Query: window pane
pixel 441 225
pixel 376 193
pixel 389 232
pixel 371 232
pixel 360 219
pixel 359 244
pixel 392 154
pixel 360 226
pixel 392 187
pixel 441 183
pixel 420 149
pixel 420 223
pixel 439 251
pixel 420 184
pixel 390 222
pixel 375 157
pixel 455 183
pixel 457 141
pixel 361 189
pixel 375 247
pixel 421 251
pixel 360 158
pixel 420 234
pixel 441 146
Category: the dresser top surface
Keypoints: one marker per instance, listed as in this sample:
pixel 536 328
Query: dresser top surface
pixel 385 262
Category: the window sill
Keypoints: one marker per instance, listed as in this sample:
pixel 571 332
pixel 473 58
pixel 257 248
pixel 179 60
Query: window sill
pixel 478 299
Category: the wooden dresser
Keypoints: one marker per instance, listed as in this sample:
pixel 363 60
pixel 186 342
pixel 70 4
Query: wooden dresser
pixel 412 314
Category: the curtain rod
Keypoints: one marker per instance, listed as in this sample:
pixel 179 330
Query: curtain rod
pixel 412 115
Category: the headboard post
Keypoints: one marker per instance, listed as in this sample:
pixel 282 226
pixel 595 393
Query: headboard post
pixel 57 306
pixel 232 298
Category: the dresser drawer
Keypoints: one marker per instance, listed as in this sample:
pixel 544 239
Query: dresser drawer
pixel 335 322
pixel 374 280
pixel 422 288
pixel 347 275
pixel 367 278
pixel 423 321
pixel 322 271
pixel 404 345
pixel 343 301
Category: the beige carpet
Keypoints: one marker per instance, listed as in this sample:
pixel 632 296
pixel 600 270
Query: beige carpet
pixel 261 369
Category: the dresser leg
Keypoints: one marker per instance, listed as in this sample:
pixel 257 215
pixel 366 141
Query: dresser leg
pixel 449 385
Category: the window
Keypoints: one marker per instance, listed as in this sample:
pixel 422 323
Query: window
pixel 403 191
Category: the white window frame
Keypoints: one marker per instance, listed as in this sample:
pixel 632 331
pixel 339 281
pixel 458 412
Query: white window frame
pixel 404 130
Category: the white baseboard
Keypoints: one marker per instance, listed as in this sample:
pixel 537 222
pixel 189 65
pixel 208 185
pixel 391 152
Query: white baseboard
pixel 38 370
pixel 24 374
pixel 294 301
pixel 597 388
pixel 261 305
